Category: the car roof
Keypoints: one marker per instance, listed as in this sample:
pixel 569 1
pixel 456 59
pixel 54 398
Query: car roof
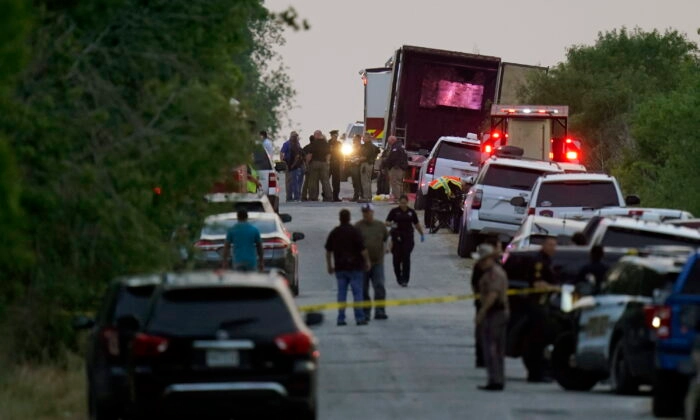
pixel 460 140
pixel 251 216
pixel 545 166
pixel 660 264
pixel 651 226
pixel 140 281
pixel 682 221
pixel 586 176
pixel 219 278
pixel 663 214
pixel 234 197
pixel 572 167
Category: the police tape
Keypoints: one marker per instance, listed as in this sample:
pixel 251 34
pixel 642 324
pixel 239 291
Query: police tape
pixel 417 301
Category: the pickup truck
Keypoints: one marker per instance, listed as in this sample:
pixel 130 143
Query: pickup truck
pixel 675 322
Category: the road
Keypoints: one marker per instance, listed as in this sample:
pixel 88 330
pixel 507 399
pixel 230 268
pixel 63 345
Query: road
pixel 419 364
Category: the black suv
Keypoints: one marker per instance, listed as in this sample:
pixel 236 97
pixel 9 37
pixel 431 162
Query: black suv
pixel 106 348
pixel 223 344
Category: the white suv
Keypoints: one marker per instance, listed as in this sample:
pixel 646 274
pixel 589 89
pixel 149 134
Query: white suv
pixel 574 195
pixel 456 156
pixel 268 175
pixel 488 209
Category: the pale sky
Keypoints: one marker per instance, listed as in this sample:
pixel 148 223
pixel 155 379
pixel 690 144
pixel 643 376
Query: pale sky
pixel 349 35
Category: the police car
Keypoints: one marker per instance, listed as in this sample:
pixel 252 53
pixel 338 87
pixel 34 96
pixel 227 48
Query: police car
pixel 611 338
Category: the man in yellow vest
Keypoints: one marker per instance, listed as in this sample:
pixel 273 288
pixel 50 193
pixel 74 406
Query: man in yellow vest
pixel 252 181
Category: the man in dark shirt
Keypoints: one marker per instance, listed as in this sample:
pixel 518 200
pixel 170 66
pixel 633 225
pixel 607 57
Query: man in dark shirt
pixel 396 163
pixel 402 220
pixel 319 168
pixel 595 270
pixel 307 158
pixel 346 249
pixel 368 155
pixel 336 165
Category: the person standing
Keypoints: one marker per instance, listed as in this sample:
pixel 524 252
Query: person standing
pixel 477 272
pixel 492 317
pixel 594 271
pixel 284 157
pixel 336 163
pixel 355 167
pixel 375 236
pixel 396 163
pixel 368 155
pixel 307 162
pixel 247 245
pixel 345 248
pixel 295 167
pixel 267 143
pixel 319 168
pixel 403 220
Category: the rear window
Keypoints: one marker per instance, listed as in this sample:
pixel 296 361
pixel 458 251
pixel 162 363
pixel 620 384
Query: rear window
pixel 511 177
pixel 240 311
pixel 355 130
pixel 230 207
pixel 578 194
pixel 261 161
pixel 459 152
pixel 133 301
pixel 692 283
pixel 220 228
pixel 631 238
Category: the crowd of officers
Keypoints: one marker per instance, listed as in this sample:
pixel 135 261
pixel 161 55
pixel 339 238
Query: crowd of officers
pixel 320 166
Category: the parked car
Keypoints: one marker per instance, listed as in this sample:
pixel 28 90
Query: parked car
pixel 279 245
pixel 454 156
pixel 689 223
pixel 535 229
pixel 610 338
pixel 223 344
pixel 573 195
pixel 625 232
pixel 105 356
pixel 487 207
pixel 228 202
pixel 675 321
pixel 646 213
pixel 268 175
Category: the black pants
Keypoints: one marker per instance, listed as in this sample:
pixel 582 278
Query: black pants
pixel 402 246
pixel 335 180
pixel 477 338
pixel 533 356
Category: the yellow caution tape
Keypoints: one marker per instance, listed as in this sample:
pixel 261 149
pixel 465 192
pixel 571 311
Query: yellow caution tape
pixel 416 301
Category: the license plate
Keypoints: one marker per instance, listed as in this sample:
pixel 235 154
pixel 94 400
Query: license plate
pixel 519 210
pixel 223 358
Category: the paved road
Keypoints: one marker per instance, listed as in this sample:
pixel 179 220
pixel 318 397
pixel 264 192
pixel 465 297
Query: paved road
pixel 419 364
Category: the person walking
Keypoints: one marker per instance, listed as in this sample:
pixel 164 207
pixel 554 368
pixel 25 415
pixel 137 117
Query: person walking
pixel 307 162
pixel 247 245
pixel 295 167
pixel 403 220
pixel 348 259
pixel 354 167
pixel 319 168
pixel 492 317
pixel 267 143
pixel 375 235
pixel 336 163
pixel 368 155
pixel 396 163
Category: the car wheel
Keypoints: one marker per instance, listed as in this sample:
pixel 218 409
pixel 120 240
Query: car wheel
pixel 295 280
pixel 420 200
pixel 668 394
pixel 467 243
pixel 621 380
pixel 567 376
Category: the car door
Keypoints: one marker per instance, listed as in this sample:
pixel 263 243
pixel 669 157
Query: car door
pixel 500 183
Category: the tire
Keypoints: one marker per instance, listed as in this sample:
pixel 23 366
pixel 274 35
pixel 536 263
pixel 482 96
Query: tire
pixel 420 200
pixel 568 377
pixel 467 243
pixel 294 286
pixel 621 380
pixel 668 394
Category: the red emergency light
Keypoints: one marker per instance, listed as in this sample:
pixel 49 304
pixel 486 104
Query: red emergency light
pixel 571 155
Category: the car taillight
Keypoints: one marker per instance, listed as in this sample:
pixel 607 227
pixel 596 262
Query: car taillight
pixel 546 213
pixel 478 195
pixel 531 210
pixel 658 318
pixel 110 339
pixel 431 166
pixel 298 343
pixel 276 243
pixel 272 180
pixel 149 345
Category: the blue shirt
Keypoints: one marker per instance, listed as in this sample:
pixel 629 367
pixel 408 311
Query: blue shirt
pixel 244 237
pixel 284 150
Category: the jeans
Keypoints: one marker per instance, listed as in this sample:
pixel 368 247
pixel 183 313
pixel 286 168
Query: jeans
pixel 375 276
pixel 296 178
pixel 354 280
pixel 401 247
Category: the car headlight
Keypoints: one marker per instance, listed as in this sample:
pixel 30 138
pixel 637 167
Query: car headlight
pixel 346 149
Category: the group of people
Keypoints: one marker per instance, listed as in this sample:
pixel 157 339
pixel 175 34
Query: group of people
pixel 355 254
pixel 321 165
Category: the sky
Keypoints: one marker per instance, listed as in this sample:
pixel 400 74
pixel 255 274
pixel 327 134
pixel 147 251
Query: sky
pixel 349 35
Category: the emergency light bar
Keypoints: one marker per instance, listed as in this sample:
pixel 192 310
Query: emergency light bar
pixel 533 111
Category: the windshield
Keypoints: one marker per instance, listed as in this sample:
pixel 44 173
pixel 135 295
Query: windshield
pixel 578 194
pixel 220 227
pixel 460 152
pixel 631 238
pixel 133 300
pixel 511 177
pixel 240 311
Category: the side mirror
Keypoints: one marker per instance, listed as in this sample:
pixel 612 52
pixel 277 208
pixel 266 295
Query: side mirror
pixel 128 324
pixel 632 200
pixel 83 322
pixel 297 236
pixel 280 166
pixel 470 180
pixel 286 218
pixel 313 318
pixel 518 201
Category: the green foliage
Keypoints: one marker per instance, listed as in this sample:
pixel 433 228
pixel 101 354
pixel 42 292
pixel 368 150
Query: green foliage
pixel 118 97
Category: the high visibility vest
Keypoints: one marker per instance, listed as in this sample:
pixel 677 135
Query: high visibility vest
pixel 252 186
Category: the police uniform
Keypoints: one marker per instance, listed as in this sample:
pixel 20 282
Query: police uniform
pixel 533 357
pixel 335 165
pixel 402 241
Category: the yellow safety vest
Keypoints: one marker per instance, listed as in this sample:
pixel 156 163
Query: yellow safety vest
pixel 252 186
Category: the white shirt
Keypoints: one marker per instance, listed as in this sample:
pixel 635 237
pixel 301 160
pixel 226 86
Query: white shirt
pixel 267 145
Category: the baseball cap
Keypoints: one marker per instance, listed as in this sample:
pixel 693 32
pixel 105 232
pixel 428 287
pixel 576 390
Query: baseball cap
pixel 367 207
